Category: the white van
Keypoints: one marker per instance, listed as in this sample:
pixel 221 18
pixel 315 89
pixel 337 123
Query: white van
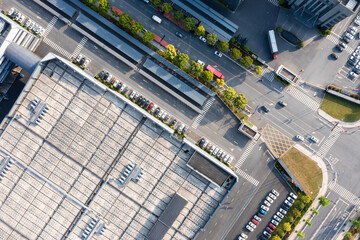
pixel 156 19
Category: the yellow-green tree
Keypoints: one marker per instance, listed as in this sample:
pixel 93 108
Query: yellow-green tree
pixel 170 53
pixel 200 31
pixel 220 82
pixel 287 227
pixel 258 70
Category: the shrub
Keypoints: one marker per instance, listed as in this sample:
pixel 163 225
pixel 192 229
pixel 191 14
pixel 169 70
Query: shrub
pixel 281 233
pixel 178 16
pixel 156 3
pixel 308 222
pixel 279 29
pixel 301 235
pixel 301 44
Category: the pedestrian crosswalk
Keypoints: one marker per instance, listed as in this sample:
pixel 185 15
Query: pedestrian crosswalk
pixel 245 154
pixel 302 97
pixel 336 40
pixel 329 142
pixel 247 177
pixel 57 48
pixel 50 26
pixel 79 47
pixel 206 108
pixel 344 193
pixel 275 2
pixel 269 75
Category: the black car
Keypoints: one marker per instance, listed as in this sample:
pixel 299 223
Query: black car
pixel 118 86
pixel 265 109
pixel 143 101
pixel 157 111
pixel 184 130
pixel 333 55
pixel 106 75
pixel 284 206
pixel 146 104
pixel 179 35
pixel 139 99
pixel 173 122
pixel 101 74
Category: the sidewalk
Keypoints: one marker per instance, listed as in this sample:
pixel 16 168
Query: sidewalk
pixel 322 191
pixel 334 120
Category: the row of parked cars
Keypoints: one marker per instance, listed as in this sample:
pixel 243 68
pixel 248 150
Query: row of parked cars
pixel 279 215
pixel 83 61
pixel 29 24
pixel 142 101
pixel 215 151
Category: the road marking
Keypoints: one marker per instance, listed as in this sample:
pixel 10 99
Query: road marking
pixel 344 193
pixel 50 26
pixel 329 142
pixel 57 48
pixel 206 108
pixel 302 97
pixel 79 47
pixel 245 154
pixel 247 177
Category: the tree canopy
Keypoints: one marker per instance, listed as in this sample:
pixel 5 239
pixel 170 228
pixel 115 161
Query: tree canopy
pixel 200 31
pixel 181 60
pixel 156 3
pixel 223 46
pixel 136 27
pixel 246 61
pixel 190 23
pixel 166 7
pixel 258 70
pixel 240 101
pixel 212 39
pixel 235 54
pixel 170 52
pixel 148 36
pixel 207 75
pixel 229 93
pixel 195 69
pixel 178 16
pixel 287 227
pixel 324 201
pixel 220 82
pixel 104 6
pixel 125 20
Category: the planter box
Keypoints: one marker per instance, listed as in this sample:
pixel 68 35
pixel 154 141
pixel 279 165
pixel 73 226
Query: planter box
pixel 342 95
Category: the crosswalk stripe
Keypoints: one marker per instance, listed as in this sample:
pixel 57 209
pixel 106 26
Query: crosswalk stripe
pixel 302 97
pixel 269 75
pixel 57 48
pixel 344 193
pixel 199 118
pixel 336 40
pixel 245 154
pixel 275 2
pixel 79 46
pixel 247 177
pixel 329 142
pixel 50 26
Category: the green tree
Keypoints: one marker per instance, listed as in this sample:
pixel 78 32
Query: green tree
pixel 220 82
pixel 316 212
pixel 258 70
pixel 296 213
pixel 287 227
pixel 181 60
pixel 207 75
pixel 289 219
pixel 156 3
pixel 211 39
pixel 190 23
pixel 240 101
pixel 125 20
pixel 355 223
pixel 104 6
pixel 300 205
pixel 305 199
pixel 275 238
pixel 90 1
pixel 324 201
pixel 195 69
pixel 200 31
pixel 178 16
pixel 281 233
pixel 166 7
pixel 136 27
pixel 170 53
pixel 246 61
pixel 308 222
pixel 223 46
pixel 235 54
pixel 148 36
pixel 301 44
pixel 348 234
pixel 229 93
pixel 301 235
pixel 115 13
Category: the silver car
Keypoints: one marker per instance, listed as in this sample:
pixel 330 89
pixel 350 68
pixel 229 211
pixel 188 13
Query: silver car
pixel 272 196
pixel 277 218
pixel 249 228
pixel 11 11
pixel 269 199
pixel 27 24
pixel 280 215
pixel 257 218
pixel 267 203
pixel 219 153
pixel 212 148
pixel 216 151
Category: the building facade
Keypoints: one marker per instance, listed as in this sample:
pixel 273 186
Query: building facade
pixel 323 13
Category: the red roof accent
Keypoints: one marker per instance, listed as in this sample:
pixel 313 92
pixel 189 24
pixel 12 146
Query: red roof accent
pixel 115 9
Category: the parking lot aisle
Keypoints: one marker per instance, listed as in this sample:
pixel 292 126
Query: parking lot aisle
pixel 79 46
pixel 245 154
pixel 50 26
pixel 247 177
pixel 302 97
pixel 197 121
pixel 329 142
pixel 344 193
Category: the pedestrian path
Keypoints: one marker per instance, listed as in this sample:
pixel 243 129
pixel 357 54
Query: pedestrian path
pixel 50 26
pixel 247 177
pixel 57 48
pixel 302 97
pixel 245 154
pixel 336 40
pixel 344 193
pixel 275 2
pixel 206 108
pixel 79 47
pixel 329 142
pixel 268 74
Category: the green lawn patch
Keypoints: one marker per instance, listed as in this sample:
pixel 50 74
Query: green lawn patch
pixel 340 108
pixel 305 170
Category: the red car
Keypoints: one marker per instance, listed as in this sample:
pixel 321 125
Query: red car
pixel 272 226
pixel 255 222
pixel 150 106
pixel 269 230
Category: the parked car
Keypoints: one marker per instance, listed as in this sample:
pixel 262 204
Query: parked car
pixel 275 192
pixel 146 103
pixel 216 151
pixel 116 83
pixel 293 195
pixel 314 139
pixel 202 39
pixel 27 24
pixel 265 109
pixel 275 222
pixel 290 200
pixel 219 153
pixel 243 235
pixel 132 95
pixel 252 225
pixel 272 196
pixel 85 63
pixel 173 122
pixel 272 226
pixel 282 211
pixel 357 21
pixel 180 127
pixel 79 57
pixel 352 30
pixel 269 230
pixel 22 18
pixel 269 199
pixel 249 228
pixel 300 138
pixel 151 105
pixel 267 203
pixel 277 218
pixel 257 218
pixel 126 89
pixel 167 117
pixel 283 104
pixel 230 160
pixel 223 155
pixel 184 130
pixel 264 208
pixel 31 26
pixel 288 203
pixel 266 234
pixel 217 53
pixel 352 75
pixel 226 158
pixel 179 35
pixel 341 46
pixel 18 16
pixel 286 207
pixel 262 211
pixel 254 221
pixel 11 11
pixel 163 115
pixel 334 56
pixel 212 148
pixel 280 215
pixel 157 110
pixel 201 62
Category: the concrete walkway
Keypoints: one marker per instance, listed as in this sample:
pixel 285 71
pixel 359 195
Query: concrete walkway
pixel 335 121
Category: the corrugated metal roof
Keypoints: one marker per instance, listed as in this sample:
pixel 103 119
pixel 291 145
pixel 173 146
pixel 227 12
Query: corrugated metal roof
pixel 63 6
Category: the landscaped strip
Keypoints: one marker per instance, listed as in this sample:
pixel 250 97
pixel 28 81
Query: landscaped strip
pixel 340 108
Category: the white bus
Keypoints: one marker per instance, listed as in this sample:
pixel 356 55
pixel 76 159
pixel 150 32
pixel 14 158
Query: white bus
pixel 272 42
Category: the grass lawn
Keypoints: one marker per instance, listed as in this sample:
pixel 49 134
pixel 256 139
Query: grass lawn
pixel 305 170
pixel 340 108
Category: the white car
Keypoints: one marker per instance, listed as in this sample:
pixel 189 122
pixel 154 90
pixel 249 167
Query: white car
pixel 272 196
pixel 252 225
pixel 41 32
pixel 202 39
pixel 116 83
pixel 267 203
pixel 290 200
pixel 275 192
pixel 293 195
pixel 18 16
pixel 244 235
pixel 314 139
pixel 288 203
pixel 11 11
pixel 22 18
pixel 27 24
pixel 275 222
pixel 300 138
pixel 264 208
pixel 31 26
pixel 79 57
pixel 226 158
pixel 280 215
pixel 352 30
pixel 249 228
pixel 35 27
pixel 108 78
pixel 257 218
pixel 85 63
pixel 212 148
pixel 216 151
pixel 230 160
pixel 201 62
pixel 282 211
pixel 269 199
pixel 217 53
pixel 277 218
pixel 357 21
pixel 219 153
